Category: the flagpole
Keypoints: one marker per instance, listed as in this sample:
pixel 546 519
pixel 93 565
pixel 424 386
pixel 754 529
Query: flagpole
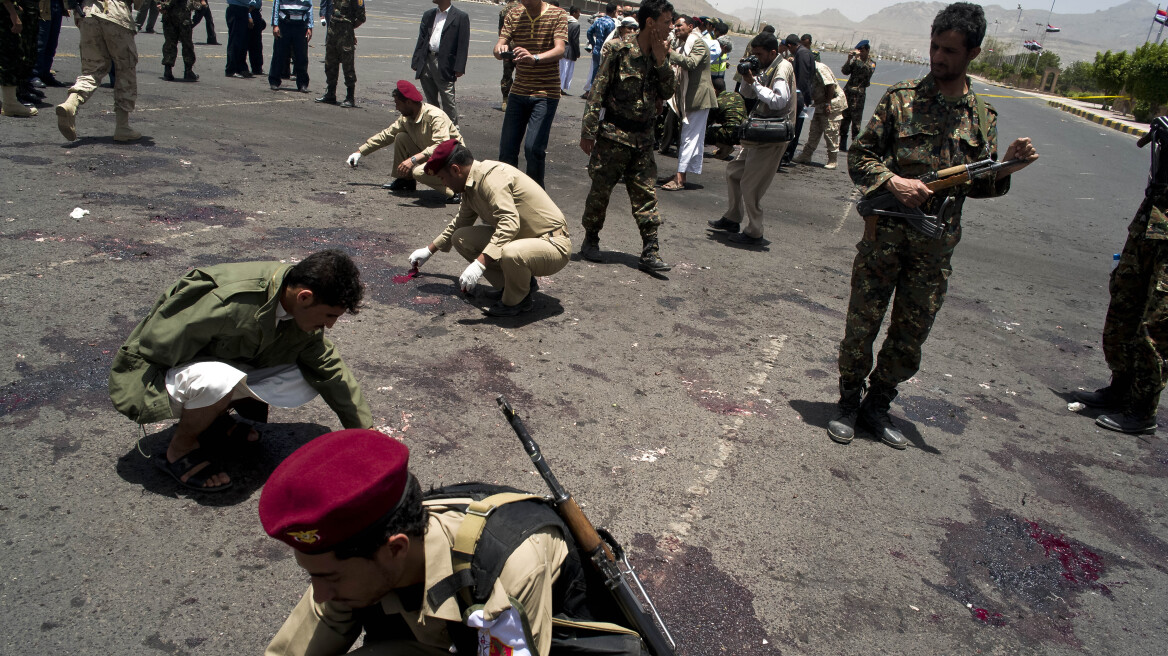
pixel 1048 15
pixel 1153 23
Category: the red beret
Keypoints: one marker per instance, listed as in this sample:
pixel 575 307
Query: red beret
pixel 438 158
pixel 408 91
pixel 334 487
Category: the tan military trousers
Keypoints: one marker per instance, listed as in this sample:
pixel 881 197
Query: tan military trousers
pixel 827 126
pixel 522 259
pixel 747 178
pixel 404 147
pixel 104 43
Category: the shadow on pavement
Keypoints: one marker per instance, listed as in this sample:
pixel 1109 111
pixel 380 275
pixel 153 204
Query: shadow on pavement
pixel 818 413
pixel 723 237
pixel 249 465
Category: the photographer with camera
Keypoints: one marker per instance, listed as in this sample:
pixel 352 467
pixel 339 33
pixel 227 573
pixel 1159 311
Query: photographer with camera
pixel 771 80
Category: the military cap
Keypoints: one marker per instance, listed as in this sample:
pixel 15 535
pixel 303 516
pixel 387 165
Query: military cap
pixel 438 158
pixel 629 21
pixel 861 45
pixel 333 488
pixel 408 91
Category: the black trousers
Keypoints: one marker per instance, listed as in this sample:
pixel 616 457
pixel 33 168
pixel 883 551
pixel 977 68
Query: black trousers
pixel 204 13
pixel 255 42
pixel 293 40
pixel 237 39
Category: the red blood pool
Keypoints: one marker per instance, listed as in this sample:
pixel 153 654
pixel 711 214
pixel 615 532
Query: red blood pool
pixel 406 278
pixel 1079 564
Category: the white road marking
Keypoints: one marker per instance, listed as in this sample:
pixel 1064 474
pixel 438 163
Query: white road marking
pixel 847 211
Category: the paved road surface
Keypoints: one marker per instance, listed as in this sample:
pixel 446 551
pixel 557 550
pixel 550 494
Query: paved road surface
pixel 687 413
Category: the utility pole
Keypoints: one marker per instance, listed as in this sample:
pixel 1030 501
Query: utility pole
pixel 1153 24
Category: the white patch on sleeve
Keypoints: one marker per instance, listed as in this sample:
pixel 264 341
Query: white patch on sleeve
pixel 502 636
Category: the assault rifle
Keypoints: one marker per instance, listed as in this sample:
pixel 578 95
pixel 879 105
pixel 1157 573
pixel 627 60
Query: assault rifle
pixel 884 203
pixel 603 552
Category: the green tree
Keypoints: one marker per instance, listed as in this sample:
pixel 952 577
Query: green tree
pixel 1079 76
pixel 1111 71
pixel 1048 59
pixel 1148 75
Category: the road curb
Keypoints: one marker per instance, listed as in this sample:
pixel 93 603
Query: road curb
pixel 1096 118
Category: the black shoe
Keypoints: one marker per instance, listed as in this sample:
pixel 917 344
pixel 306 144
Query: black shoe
pixel 301 89
pixel 785 163
pixel 329 98
pixel 454 199
pixel 190 75
pixel 1113 397
pixel 401 185
pixel 274 87
pixel 168 73
pixel 724 224
pixel 150 31
pixel 239 76
pixel 651 261
pixel 37 83
pixel 31 91
pixel 590 249
pixel 497 294
pixel 348 102
pixel 51 81
pixel 500 310
pixel 212 43
pixel 247 75
pixel 1128 422
pixel 257 73
pixel 743 238
pixel 874 414
pixel 843 428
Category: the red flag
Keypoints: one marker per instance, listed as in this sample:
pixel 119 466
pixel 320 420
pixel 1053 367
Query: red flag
pixel 1162 16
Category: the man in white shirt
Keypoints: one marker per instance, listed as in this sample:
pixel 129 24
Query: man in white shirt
pixel 440 54
pixel 750 174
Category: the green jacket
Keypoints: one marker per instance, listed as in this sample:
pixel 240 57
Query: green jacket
pixel 227 313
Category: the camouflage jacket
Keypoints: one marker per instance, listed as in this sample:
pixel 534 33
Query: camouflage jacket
pixel 859 73
pixel 1151 221
pixel 629 86
pixel 915 130
pixel 348 11
pixel 181 7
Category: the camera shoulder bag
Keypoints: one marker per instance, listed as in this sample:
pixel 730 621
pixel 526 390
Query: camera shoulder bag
pixel 760 129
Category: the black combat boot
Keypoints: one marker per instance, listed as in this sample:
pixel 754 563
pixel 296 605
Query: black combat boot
pixel 349 102
pixel 874 414
pixel 1113 397
pixel 843 428
pixel 330 95
pixel 590 249
pixel 651 261
pixel 168 73
pixel 189 75
pixel 1138 416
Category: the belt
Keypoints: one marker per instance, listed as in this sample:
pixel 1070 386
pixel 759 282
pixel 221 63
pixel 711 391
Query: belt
pixel 625 124
pixel 558 232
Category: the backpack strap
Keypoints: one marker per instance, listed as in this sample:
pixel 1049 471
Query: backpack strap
pixel 982 122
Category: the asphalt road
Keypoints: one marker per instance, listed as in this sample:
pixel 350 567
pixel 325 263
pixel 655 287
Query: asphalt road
pixel 687 413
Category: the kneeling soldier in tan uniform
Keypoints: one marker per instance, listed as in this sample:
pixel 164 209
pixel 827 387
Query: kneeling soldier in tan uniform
pixel 525 233
pixel 107 39
pixel 421 128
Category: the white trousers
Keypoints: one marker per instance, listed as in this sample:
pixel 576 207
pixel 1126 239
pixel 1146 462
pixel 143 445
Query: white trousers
pixel 693 137
pixel 203 384
pixel 567 68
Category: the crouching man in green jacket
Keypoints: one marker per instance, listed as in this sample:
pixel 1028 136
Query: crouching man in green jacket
pixel 231 334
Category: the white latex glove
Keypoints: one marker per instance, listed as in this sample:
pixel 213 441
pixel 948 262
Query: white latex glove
pixel 353 159
pixel 419 257
pixel 470 277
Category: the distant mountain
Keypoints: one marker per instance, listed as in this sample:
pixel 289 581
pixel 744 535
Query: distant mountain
pixel 903 29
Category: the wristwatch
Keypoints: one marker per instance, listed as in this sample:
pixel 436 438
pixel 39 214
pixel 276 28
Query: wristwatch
pixel 536 58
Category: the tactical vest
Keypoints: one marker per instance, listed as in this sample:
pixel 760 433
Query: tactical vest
pixel 585 619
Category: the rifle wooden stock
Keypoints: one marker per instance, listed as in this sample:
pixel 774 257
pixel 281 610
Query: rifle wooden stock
pixel 952 181
pixel 582 530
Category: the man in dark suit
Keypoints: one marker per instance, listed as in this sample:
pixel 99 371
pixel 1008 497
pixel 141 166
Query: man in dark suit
pixel 440 56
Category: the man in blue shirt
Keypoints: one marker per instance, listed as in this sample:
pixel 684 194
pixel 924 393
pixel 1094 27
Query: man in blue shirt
pixel 292 30
pixel 602 26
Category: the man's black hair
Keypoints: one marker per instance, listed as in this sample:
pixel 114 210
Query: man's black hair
pixel 652 9
pixel 610 8
pixel 409 518
pixel 721 28
pixel 331 276
pixel 766 41
pixel 461 156
pixel 554 3
pixel 692 21
pixel 575 11
pixel 769 29
pixel 965 17
pixel 806 37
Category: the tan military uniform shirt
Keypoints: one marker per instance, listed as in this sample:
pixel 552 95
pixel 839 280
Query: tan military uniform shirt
pixel 504 197
pixel 118 12
pixel 431 126
pixel 832 104
pixel 326 629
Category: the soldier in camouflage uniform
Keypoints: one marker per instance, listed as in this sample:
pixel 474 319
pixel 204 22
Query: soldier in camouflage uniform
pixel 633 79
pixel 722 128
pixel 14 26
pixel 508 64
pixel 340 49
pixel 859 69
pixel 176 28
pixel 918 126
pixel 1135 334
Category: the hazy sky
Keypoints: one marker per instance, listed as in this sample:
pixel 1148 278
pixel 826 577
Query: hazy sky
pixel 859 9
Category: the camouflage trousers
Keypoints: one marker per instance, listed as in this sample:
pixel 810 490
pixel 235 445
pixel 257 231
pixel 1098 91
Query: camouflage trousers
pixel 916 268
pixel 340 50
pixel 1135 333
pixel 826 125
pixel 855 111
pixel 104 44
pixel 612 162
pixel 176 29
pixel 508 78
pixel 18 51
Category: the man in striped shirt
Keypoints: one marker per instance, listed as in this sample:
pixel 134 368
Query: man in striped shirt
pixel 535 34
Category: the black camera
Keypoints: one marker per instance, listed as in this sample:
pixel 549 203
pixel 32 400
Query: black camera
pixel 749 65
pixel 508 55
